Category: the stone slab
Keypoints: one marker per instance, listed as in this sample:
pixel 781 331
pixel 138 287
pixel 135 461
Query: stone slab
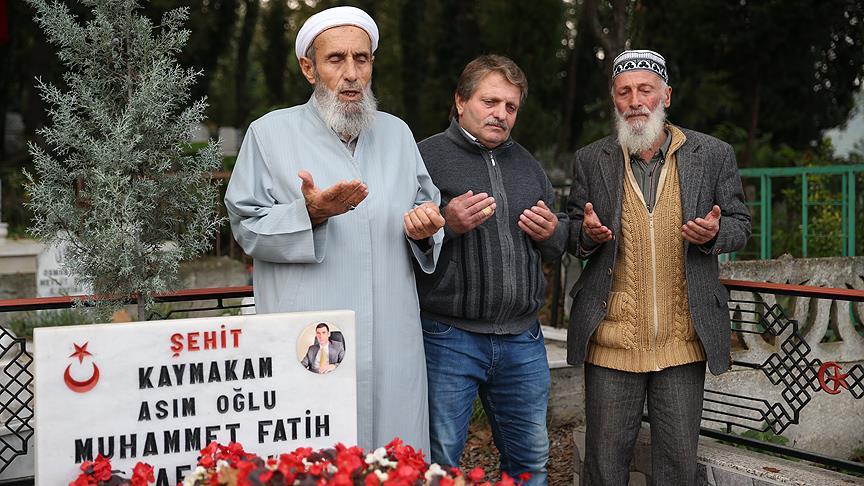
pixel 726 465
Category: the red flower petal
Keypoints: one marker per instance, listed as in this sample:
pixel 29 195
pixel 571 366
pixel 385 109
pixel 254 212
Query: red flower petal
pixel 476 475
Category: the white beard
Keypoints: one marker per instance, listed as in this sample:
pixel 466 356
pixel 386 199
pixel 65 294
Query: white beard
pixel 347 118
pixel 641 135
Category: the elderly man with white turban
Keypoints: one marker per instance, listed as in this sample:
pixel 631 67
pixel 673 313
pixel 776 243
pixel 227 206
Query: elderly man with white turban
pixel 332 200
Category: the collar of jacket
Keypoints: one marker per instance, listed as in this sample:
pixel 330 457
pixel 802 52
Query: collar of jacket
pixel 455 133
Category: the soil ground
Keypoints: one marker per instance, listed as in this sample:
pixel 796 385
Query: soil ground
pixel 480 451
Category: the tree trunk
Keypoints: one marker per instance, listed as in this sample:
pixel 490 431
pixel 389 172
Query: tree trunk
pixel 571 86
pixel 747 156
pixel 142 310
pixel 276 53
pixel 413 61
pixel 241 73
pixel 614 40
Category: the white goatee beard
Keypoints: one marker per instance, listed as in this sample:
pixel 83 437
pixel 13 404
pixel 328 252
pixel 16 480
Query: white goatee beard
pixel 640 136
pixel 347 118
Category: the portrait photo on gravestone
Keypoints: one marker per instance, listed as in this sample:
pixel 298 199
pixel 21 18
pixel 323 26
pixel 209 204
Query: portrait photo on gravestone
pixel 321 347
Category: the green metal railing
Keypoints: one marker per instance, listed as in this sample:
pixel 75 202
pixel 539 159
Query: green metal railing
pixel 762 206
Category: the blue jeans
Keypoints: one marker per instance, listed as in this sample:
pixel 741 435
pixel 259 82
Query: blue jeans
pixel 511 374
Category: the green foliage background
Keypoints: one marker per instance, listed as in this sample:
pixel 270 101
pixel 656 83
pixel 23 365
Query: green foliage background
pixel 768 76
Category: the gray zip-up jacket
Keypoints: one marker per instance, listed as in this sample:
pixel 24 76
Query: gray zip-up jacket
pixel 490 279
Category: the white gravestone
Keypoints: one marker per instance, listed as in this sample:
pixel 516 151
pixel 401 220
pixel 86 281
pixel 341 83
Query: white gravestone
pixel 159 392
pixel 52 280
pixel 229 138
pixel 200 133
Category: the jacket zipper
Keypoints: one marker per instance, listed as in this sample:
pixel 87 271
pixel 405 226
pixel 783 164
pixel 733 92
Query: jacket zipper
pixel 654 282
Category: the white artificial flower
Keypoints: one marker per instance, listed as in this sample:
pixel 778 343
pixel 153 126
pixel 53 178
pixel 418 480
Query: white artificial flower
pixel 382 476
pixel 198 473
pixel 380 457
pixel 435 471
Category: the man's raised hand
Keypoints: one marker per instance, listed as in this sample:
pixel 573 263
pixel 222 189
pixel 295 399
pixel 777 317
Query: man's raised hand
pixel 335 200
pixel 593 228
pixel 702 230
pixel 467 211
pixel 538 222
pixel 423 221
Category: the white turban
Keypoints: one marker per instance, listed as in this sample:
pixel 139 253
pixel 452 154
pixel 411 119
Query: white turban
pixel 334 17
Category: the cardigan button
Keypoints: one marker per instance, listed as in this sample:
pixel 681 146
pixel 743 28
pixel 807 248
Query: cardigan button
pixel 609 271
pixel 603 304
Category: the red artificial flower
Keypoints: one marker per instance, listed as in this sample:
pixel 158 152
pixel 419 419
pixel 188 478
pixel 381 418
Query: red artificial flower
pixel 372 480
pixel 506 480
pixel 524 477
pixel 208 455
pixel 445 481
pixel 341 479
pixel 265 476
pixel 316 469
pixel 347 461
pixel 302 452
pixel 101 468
pixel 232 453
pixel 476 475
pixel 244 469
pixel 406 472
pixel 142 474
pixel 405 454
pixel 83 479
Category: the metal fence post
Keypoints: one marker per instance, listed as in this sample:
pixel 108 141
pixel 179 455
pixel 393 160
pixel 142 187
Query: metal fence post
pixel 850 206
pixel 804 213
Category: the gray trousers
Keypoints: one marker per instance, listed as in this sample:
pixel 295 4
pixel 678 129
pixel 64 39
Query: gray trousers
pixel 614 401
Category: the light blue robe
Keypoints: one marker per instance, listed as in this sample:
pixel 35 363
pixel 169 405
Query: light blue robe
pixel 360 260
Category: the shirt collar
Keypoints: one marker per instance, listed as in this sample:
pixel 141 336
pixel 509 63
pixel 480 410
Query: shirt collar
pixel 468 134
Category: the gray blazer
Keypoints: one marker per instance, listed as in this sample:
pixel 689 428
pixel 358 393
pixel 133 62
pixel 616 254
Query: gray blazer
pixel 709 175
pixel 335 353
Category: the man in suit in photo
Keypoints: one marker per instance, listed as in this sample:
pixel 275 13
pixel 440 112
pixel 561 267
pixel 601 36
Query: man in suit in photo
pixel 650 209
pixel 324 355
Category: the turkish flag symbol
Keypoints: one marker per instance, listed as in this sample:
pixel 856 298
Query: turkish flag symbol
pixel 85 385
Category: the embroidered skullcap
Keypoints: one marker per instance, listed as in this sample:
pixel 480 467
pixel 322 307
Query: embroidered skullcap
pixel 643 60
pixel 334 17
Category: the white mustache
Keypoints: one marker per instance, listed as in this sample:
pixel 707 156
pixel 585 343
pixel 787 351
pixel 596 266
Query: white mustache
pixel 349 86
pixel 641 111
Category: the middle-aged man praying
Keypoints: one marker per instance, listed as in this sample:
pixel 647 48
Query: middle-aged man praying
pixel 331 199
pixel 480 307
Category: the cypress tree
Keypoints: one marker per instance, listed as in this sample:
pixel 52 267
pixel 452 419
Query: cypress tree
pixel 116 181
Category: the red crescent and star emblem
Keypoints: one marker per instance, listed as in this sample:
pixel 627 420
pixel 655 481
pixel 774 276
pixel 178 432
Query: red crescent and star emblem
pixel 85 385
pixel 833 382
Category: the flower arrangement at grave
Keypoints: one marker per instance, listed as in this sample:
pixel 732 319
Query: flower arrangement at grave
pixel 116 183
pixel 396 464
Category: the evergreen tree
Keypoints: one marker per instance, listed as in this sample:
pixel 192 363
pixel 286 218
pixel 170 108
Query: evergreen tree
pixel 117 181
